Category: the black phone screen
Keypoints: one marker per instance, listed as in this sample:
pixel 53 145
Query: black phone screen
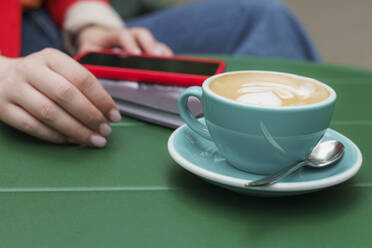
pixel 148 63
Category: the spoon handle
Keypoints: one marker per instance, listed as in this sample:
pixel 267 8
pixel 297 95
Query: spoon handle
pixel 270 179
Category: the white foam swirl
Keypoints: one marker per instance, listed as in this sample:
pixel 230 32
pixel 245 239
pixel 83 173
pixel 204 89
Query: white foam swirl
pixel 272 94
pixel 260 98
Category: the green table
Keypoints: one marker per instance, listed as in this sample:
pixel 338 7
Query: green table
pixel 132 194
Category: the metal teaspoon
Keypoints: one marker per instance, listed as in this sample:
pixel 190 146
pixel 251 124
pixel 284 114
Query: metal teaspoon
pixel 323 154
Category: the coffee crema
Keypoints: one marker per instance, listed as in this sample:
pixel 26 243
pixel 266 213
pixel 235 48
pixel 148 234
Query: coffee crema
pixel 269 89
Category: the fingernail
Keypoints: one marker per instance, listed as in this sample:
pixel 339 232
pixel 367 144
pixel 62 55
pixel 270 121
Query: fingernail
pixel 105 129
pixel 98 141
pixel 114 115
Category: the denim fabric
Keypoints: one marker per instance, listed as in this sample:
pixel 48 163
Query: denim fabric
pixel 264 28
pixel 241 27
pixel 38 32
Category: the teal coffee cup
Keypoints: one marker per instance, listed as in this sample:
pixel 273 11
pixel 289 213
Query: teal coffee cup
pixel 261 121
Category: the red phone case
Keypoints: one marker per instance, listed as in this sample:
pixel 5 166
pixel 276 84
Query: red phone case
pixel 170 78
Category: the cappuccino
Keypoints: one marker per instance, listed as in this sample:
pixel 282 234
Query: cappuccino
pixel 269 89
pixel 257 132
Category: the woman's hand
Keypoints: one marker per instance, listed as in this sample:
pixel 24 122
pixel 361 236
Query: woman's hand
pixel 52 97
pixel 134 40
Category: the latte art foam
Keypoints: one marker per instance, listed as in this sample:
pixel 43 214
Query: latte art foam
pixel 269 89
pixel 272 94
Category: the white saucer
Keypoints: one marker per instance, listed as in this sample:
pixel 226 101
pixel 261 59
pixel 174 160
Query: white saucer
pixel 201 158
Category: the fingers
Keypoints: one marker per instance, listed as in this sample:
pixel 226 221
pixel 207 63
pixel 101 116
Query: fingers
pixel 54 117
pixel 52 97
pixel 148 44
pixel 88 47
pixel 68 97
pixel 134 40
pixel 145 40
pixel 17 117
pixel 128 42
pixel 137 40
pixel 85 82
pixel 165 50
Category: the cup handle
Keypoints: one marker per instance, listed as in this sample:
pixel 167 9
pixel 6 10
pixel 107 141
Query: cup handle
pixel 187 116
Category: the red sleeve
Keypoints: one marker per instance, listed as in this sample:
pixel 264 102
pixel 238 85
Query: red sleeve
pixel 58 8
pixel 10 28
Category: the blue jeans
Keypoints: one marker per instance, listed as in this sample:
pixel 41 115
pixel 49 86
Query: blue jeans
pixel 264 28
pixel 38 32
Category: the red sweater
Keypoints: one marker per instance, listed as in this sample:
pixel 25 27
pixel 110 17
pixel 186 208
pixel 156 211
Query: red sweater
pixel 11 19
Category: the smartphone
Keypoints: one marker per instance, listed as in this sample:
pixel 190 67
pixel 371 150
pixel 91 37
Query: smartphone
pixel 174 70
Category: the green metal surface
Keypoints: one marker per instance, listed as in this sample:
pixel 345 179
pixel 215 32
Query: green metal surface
pixel 131 194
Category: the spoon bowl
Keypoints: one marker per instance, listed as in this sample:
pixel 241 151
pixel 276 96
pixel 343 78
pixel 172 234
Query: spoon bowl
pixel 323 154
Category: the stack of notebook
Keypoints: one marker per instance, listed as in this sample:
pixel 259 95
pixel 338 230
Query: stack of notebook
pixel 155 103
